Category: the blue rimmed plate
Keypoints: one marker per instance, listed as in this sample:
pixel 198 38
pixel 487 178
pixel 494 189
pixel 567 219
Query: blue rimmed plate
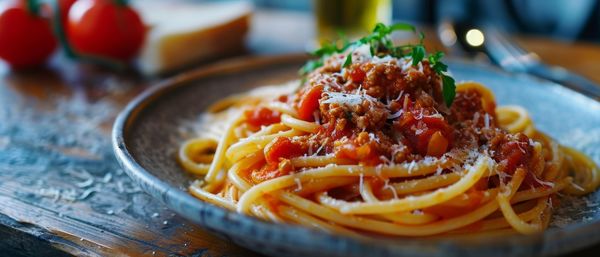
pixel 148 132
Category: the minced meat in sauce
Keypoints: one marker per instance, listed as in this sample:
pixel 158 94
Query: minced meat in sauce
pixel 385 110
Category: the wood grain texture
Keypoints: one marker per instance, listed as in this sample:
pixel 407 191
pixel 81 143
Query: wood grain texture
pixel 581 57
pixel 62 192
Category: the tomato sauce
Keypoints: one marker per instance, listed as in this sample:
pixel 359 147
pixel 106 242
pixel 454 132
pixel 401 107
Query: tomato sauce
pixel 262 116
pixel 382 112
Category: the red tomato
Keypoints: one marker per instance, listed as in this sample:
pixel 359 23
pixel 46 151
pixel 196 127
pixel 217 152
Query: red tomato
pixel 26 39
pixel 423 139
pixel 532 181
pixel 428 135
pixel 358 75
pixel 332 130
pixel 283 98
pixel 437 144
pixel 105 28
pixel 309 103
pixel 363 154
pixel 282 147
pixel 63 10
pixel 269 171
pixel 262 116
pixel 514 154
pixel 420 140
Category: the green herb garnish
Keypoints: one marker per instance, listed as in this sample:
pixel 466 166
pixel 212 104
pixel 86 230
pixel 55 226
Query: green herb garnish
pixel 381 45
pixel 448 89
pixel 417 54
pixel 348 60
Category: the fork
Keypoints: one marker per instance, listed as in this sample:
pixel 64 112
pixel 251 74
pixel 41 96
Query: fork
pixel 511 57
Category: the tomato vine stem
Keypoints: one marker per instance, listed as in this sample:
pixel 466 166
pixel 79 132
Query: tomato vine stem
pixel 59 30
pixel 33 6
pixel 122 2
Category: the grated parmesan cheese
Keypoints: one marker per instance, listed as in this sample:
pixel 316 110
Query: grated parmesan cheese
pixel 396 114
pixel 391 188
pixel 347 99
pixel 298 185
pixel 487 120
pixel 411 166
pixel 361 180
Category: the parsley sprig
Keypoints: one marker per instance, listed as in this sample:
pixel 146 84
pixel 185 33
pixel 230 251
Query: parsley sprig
pixel 380 44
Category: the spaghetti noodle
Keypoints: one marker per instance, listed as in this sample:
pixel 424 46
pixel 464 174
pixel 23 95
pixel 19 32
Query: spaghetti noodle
pixel 373 148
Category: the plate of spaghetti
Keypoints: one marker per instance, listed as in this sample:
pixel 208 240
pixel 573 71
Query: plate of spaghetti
pixel 371 149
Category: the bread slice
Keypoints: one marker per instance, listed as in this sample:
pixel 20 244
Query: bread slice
pixel 181 34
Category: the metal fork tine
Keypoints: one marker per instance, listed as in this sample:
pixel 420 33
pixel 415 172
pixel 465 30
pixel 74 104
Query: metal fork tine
pixel 515 53
pixel 511 57
pixel 498 49
pixel 512 47
pixel 508 55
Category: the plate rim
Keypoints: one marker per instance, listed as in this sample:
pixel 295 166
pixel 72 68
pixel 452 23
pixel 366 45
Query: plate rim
pixel 177 199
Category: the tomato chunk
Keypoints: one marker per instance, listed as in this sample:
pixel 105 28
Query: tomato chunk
pixel 428 135
pixel 309 103
pixel 282 148
pixel 358 75
pixel 437 145
pixel 514 154
pixel 268 172
pixel 262 116
pixel 532 181
pixel 363 154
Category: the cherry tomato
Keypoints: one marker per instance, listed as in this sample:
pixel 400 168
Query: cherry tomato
pixel 26 38
pixel 106 28
pixel 63 10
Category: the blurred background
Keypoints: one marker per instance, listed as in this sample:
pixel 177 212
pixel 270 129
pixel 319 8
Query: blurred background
pixel 187 30
pixel 561 19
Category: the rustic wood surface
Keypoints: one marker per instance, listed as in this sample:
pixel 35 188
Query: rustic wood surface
pixel 62 192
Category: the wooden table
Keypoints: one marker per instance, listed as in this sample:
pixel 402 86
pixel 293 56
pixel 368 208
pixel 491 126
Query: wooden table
pixel 62 192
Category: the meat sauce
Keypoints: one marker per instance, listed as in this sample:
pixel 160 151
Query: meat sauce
pixel 387 111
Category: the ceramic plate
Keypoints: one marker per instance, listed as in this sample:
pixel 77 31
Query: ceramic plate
pixel 148 132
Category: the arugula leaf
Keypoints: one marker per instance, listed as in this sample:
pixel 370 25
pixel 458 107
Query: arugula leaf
pixel 380 44
pixel 448 83
pixel 310 66
pixel 326 49
pixel 403 26
pixel 440 67
pixel 348 60
pixel 384 30
pixel 418 53
pixel 376 40
pixel 379 27
pixel 448 89
pixel 436 64
pixel 435 57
